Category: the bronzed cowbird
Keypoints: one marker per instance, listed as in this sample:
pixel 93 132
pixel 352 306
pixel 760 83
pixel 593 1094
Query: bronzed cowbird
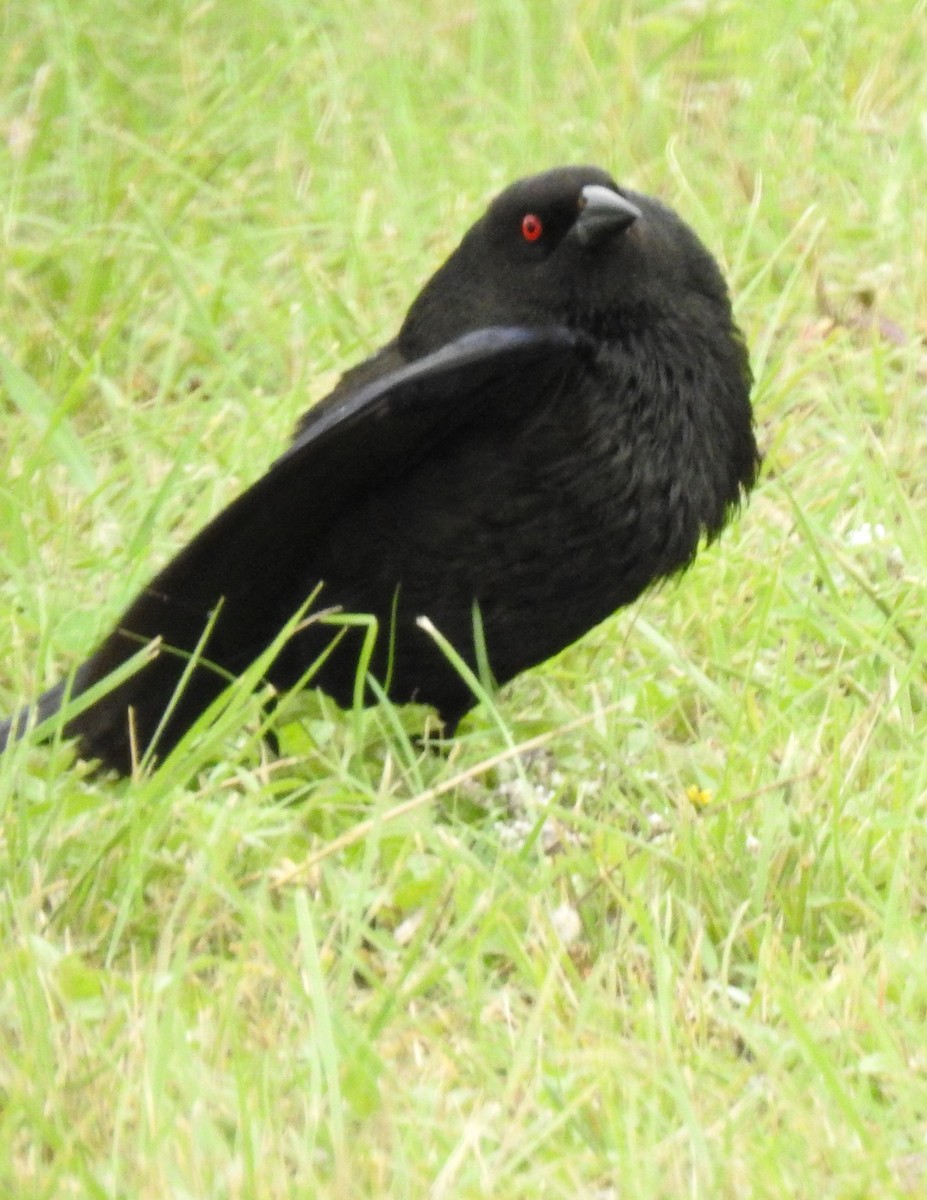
pixel 562 418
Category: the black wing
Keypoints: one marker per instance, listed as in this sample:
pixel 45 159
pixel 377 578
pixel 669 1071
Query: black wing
pixel 252 562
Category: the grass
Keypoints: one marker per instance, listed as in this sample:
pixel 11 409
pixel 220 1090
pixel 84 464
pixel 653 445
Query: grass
pixel 674 946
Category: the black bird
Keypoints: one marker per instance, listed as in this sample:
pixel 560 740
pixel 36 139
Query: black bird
pixel 562 418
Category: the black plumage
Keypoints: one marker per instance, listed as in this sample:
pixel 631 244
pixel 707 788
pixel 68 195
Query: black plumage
pixel 562 418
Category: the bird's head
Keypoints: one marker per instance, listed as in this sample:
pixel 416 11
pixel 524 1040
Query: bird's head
pixel 568 246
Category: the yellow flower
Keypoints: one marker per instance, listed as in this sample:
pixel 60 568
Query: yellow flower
pixel 698 796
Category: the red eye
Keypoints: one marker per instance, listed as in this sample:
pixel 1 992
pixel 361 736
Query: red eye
pixel 531 227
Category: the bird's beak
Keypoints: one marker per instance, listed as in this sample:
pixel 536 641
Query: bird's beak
pixel 601 212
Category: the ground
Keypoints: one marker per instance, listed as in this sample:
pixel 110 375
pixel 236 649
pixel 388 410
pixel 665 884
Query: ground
pixel 654 927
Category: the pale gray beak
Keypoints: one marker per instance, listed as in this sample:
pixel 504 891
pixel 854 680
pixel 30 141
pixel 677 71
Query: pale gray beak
pixel 601 212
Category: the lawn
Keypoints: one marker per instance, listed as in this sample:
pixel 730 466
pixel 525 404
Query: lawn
pixel 655 926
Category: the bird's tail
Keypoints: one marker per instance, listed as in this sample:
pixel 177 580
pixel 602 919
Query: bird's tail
pixel 125 700
pixel 47 705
